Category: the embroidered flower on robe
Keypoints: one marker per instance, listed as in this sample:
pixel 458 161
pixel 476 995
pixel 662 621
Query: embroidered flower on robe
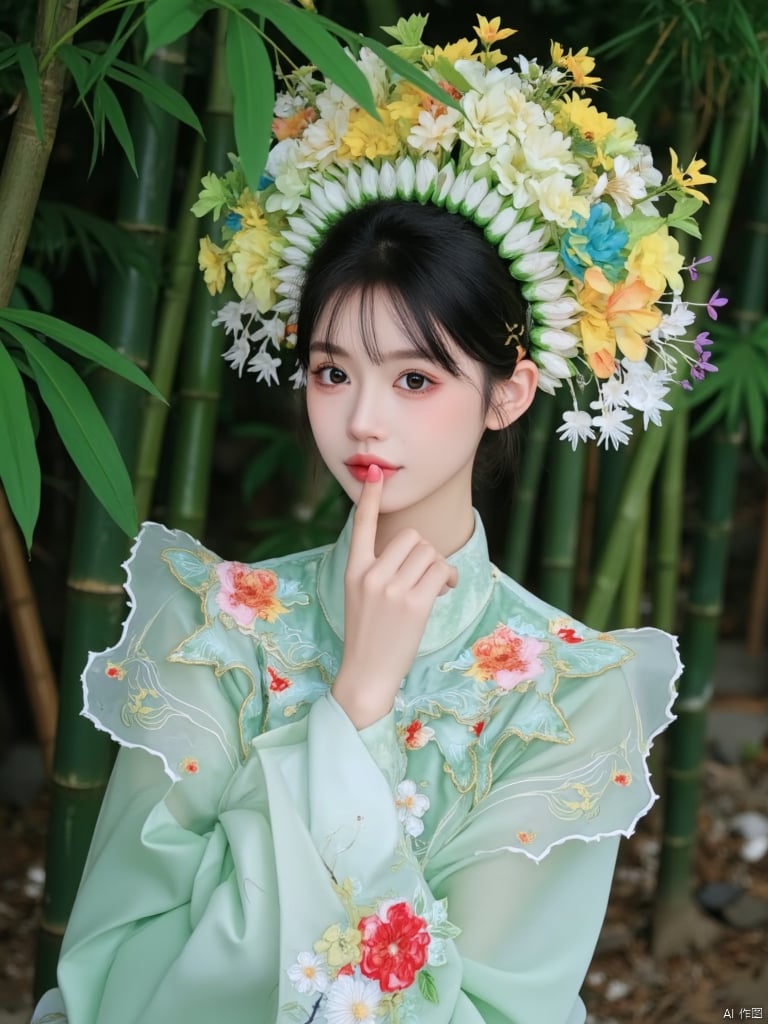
pixel 417 735
pixel 353 1000
pixel 395 946
pixel 277 683
pixel 247 594
pixel 411 807
pixel 506 658
pixel 308 974
pixel 621 778
pixel 340 945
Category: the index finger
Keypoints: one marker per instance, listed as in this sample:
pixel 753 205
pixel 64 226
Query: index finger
pixel 363 540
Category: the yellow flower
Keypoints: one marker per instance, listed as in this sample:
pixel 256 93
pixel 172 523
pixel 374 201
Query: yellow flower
pixel 251 213
pixel 691 176
pixel 620 315
pixel 212 260
pixel 489 31
pixel 407 104
pixel 462 49
pixel 591 123
pixel 656 259
pixel 365 136
pixel 578 65
pixel 253 262
pixel 341 947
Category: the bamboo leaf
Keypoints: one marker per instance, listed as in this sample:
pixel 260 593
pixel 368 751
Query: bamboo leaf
pixel 73 59
pixel 36 285
pixel 169 20
pixel 28 65
pixel 82 429
pixel 312 35
pixel 253 89
pixel 154 90
pixel 81 342
pixel 19 465
pixel 116 118
pixel 398 64
pixel 8 57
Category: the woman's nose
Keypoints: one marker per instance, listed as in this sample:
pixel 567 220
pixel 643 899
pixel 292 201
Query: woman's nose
pixel 367 416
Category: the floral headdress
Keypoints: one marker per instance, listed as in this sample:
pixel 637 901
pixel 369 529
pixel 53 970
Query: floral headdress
pixel 566 193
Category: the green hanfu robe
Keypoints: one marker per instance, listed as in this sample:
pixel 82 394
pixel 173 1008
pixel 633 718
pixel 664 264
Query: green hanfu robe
pixel 260 860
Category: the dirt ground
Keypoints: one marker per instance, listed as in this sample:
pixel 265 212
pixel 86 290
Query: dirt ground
pixel 728 980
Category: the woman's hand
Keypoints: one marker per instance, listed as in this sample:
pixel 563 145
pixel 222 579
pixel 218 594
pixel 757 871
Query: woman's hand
pixel 388 600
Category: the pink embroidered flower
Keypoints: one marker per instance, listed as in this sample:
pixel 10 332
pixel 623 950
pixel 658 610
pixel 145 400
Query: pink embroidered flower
pixel 417 735
pixel 395 944
pixel 569 635
pixel 621 778
pixel 277 683
pixel 190 765
pixel 526 837
pixel 114 671
pixel 248 594
pixel 506 657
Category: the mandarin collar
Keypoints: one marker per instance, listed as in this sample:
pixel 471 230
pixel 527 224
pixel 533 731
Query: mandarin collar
pixel 453 612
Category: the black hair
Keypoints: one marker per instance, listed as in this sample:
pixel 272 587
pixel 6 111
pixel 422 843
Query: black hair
pixel 443 277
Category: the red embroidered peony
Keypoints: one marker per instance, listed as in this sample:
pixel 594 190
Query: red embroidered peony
pixel 395 943
pixel 248 594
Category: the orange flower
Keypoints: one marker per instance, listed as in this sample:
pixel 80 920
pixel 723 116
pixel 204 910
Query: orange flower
pixel 293 126
pixel 526 837
pixel 190 765
pixel 248 594
pixel 620 315
pixel 417 735
pixel 506 658
pixel 621 778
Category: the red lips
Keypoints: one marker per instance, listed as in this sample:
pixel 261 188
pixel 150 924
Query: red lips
pixel 358 466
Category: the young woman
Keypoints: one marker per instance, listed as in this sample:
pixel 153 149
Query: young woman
pixel 398 779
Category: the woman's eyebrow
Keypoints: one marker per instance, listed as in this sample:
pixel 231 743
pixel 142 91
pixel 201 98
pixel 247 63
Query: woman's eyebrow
pixel 332 349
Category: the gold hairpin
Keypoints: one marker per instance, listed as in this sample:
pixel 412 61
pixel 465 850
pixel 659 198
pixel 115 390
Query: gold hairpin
pixel 514 333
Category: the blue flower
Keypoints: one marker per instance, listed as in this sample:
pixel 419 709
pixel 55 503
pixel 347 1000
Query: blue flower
pixel 595 242
pixel 233 222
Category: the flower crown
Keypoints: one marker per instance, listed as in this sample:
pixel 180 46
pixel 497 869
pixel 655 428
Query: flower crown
pixel 566 193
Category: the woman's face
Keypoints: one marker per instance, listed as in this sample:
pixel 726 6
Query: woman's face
pixel 420 423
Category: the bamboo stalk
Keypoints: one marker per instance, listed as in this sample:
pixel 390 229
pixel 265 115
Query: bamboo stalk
pixel 557 576
pixel 651 444
pixel 198 398
pixel 169 335
pixel 28 632
pixel 629 612
pixel 26 158
pixel 520 528
pixel 668 526
pixel 96 602
pixel 687 736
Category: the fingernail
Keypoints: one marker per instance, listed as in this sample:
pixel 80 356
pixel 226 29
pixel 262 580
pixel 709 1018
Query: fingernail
pixel 374 474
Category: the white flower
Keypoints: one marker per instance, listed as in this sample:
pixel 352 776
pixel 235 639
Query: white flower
pixel 576 426
pixel 377 73
pixel 614 392
pixel 674 323
pixel 555 197
pixel 285 104
pixel 271 331
pixel 308 975
pixel 299 377
pixel 265 367
pixel 612 426
pixel 231 316
pixel 646 389
pixel 431 133
pixel 411 807
pixel 238 354
pixel 353 999
pixel 625 186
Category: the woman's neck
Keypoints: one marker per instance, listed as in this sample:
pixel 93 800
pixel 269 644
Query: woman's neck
pixel 447 526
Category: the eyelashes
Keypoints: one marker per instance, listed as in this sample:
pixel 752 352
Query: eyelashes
pixel 413 381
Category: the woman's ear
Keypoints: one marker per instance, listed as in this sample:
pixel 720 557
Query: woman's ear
pixel 512 397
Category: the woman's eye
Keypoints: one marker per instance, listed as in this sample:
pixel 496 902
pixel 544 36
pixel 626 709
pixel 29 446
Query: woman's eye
pixel 414 382
pixel 330 375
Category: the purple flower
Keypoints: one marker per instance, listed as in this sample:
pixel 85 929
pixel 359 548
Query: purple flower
pixel 715 300
pixel 697 263
pixel 686 385
pixel 701 341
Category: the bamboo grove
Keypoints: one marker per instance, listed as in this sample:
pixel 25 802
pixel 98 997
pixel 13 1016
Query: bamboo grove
pixel 138 403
